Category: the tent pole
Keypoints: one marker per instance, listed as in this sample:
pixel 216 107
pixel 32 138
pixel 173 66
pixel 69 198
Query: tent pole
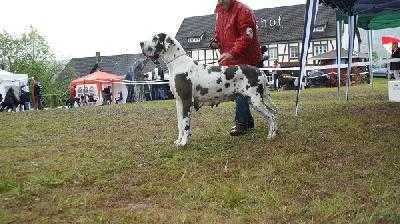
pixel 370 48
pixel 339 52
pixel 310 16
pixel 350 53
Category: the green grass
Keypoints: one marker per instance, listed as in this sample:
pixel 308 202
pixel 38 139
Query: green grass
pixel 338 162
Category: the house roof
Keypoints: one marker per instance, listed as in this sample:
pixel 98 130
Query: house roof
pixel 115 64
pixel 291 26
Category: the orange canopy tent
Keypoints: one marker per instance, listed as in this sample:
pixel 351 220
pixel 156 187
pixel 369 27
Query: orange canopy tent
pixel 97 78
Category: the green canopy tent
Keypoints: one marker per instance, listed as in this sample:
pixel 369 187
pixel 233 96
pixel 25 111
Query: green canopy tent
pixel 366 14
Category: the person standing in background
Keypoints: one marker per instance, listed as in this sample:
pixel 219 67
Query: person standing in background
pixel 395 66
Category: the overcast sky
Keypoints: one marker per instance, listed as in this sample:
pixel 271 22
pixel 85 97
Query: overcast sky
pixel 79 28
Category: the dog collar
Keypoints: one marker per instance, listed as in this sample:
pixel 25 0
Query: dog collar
pixel 175 59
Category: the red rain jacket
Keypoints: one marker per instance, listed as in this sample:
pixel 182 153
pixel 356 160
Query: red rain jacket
pixel 236 33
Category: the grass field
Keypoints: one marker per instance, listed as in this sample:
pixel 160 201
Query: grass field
pixel 338 162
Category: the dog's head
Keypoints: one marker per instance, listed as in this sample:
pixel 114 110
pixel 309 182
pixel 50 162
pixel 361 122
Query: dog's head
pixel 157 47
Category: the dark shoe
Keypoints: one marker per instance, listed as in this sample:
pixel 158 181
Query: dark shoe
pixel 238 130
pixel 250 125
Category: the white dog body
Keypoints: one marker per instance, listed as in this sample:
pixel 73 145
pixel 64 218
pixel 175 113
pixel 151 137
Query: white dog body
pixel 195 85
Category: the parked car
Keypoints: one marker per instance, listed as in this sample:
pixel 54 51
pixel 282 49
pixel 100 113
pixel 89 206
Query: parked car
pixel 382 72
pixel 316 78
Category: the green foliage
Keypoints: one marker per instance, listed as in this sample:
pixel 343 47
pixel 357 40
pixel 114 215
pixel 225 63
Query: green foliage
pixel 30 54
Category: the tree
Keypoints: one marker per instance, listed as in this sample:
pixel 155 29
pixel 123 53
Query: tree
pixel 30 54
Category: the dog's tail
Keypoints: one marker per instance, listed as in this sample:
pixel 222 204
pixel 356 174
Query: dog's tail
pixel 266 96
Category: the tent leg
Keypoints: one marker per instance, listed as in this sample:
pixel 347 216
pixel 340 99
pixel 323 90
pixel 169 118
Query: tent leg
pixel 350 53
pixel 310 16
pixel 370 48
pixel 338 54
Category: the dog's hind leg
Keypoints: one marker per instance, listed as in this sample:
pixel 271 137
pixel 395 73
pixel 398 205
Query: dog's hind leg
pixel 267 112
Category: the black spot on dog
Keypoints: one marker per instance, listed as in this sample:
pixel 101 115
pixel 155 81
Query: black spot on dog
pixel 196 62
pixel 170 41
pixel 203 91
pixel 160 45
pixel 260 90
pixel 183 87
pixel 230 72
pixel 161 37
pixel 219 81
pixel 214 69
pixel 247 87
pixel 227 85
pixel 187 128
pixel 178 48
pixel 251 74
pixel 196 104
pixel 219 90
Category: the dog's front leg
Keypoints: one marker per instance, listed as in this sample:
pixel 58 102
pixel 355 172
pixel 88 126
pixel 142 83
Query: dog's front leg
pixel 180 120
pixel 186 118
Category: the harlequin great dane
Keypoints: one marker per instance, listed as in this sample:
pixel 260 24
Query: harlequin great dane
pixel 195 85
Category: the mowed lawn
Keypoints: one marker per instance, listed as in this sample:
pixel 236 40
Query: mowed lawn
pixel 338 162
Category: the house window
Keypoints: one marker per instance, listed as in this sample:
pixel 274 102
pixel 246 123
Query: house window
pixel 294 52
pixel 320 49
pixel 273 53
pixel 194 39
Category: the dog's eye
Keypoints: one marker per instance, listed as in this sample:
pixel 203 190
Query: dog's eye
pixel 149 49
pixel 155 39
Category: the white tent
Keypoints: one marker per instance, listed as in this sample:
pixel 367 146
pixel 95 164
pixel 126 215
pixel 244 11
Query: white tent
pixel 10 80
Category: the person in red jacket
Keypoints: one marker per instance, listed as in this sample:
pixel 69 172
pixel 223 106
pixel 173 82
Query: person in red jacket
pixel 237 40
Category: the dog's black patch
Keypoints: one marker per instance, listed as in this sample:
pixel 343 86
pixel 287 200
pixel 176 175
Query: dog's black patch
pixel 260 90
pixel 214 69
pixel 161 37
pixel 160 45
pixel 170 41
pixel 227 85
pixel 187 128
pixel 203 91
pixel 196 104
pixel 196 62
pixel 219 81
pixel 219 90
pixel 230 72
pixel 247 87
pixel 251 74
pixel 184 90
pixel 155 39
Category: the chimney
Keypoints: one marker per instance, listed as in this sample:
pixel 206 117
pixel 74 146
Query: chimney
pixel 98 57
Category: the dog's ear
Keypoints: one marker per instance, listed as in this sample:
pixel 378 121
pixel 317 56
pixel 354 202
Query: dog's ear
pixel 169 42
pixel 160 42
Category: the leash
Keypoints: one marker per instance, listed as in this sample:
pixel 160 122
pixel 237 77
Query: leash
pixel 175 58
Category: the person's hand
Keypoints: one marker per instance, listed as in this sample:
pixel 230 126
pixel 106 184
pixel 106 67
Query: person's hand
pixel 224 57
pixel 214 44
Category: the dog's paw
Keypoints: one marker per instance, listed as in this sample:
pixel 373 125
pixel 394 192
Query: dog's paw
pixel 271 135
pixel 177 142
pixel 180 143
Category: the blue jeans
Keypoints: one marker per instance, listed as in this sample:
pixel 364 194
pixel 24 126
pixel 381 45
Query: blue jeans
pixel 243 115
